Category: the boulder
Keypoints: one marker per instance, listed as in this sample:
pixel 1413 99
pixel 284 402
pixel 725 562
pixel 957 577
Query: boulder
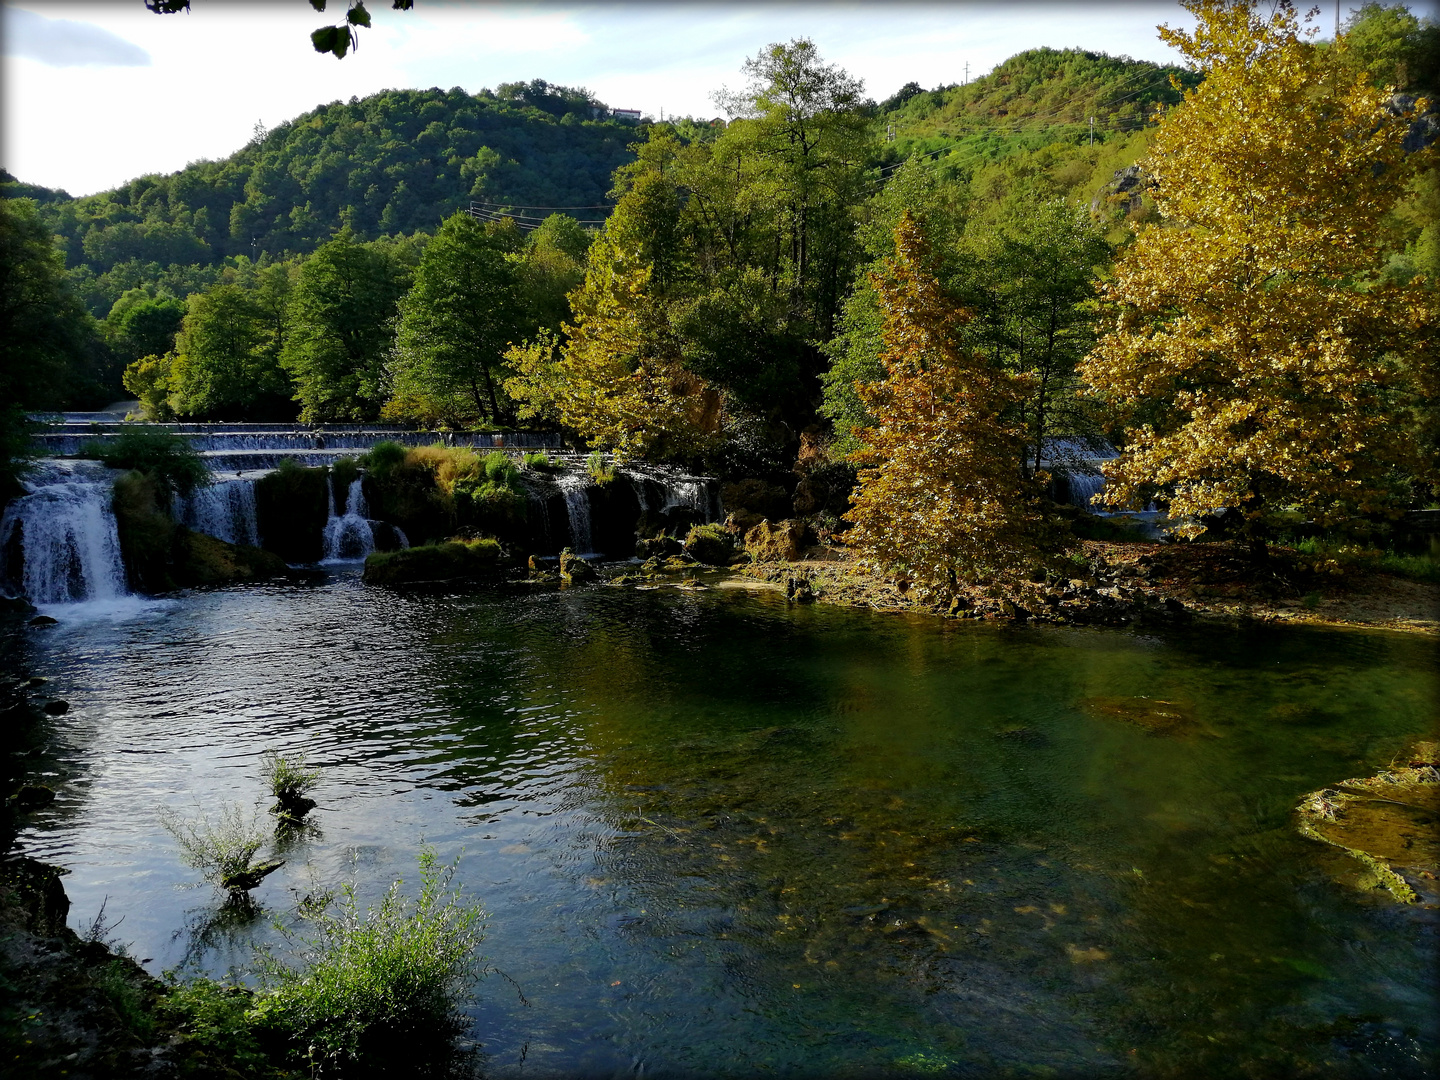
pixel 56 707
pixel 574 570
pixel 783 541
pixel 43 620
pixel 454 560
pixel 711 544
pixel 754 500
pixel 33 797
pixel 202 560
pixel 661 546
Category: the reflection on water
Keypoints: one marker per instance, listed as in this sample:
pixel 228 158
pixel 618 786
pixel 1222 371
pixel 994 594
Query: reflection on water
pixel 717 835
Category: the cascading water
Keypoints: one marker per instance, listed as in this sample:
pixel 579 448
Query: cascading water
pixel 349 536
pixel 577 508
pixel 58 543
pixel 224 510
pixel 1083 486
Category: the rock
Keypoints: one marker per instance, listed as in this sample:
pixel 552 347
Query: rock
pixel 33 797
pixel 16 605
pixel 782 542
pixel 960 604
pixel 661 546
pixel 292 811
pixel 677 563
pixel 1386 823
pixel 202 560
pixel 453 560
pixel 574 570
pixel 43 620
pixel 56 707
pixel 756 499
pixel 711 544
pixel 798 590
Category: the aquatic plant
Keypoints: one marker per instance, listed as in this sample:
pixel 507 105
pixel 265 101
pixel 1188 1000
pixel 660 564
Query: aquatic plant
pixel 223 850
pixel 371 989
pixel 290 782
pixel 168 459
pixel 541 461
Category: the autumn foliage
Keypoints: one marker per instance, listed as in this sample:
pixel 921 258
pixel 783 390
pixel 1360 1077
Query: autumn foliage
pixel 1265 364
pixel 941 497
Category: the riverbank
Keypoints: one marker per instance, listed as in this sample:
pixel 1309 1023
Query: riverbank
pixel 1123 583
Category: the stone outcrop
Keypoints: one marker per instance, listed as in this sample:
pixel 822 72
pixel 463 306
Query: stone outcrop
pixel 782 541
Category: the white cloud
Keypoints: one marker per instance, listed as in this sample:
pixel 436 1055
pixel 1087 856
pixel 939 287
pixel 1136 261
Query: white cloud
pixel 63 43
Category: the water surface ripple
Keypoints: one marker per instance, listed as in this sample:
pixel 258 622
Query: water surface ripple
pixel 718 836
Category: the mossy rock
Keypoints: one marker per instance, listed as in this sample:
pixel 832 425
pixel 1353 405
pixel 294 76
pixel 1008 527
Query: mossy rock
pixel 1172 719
pixel 291 508
pixel 146 532
pixel 453 560
pixel 202 560
pixel 1389 824
pixel 574 570
pixel 711 544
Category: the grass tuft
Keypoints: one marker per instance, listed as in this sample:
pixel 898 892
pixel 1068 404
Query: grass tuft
pixel 378 988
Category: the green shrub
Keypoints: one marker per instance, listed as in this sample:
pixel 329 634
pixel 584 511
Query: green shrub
pixel 371 990
pixel 499 469
pixel 215 1019
pixel 383 458
pixel 540 461
pixel 167 458
pixel 598 470
pixel 223 850
pixel 343 474
pixel 1329 556
pixel 289 782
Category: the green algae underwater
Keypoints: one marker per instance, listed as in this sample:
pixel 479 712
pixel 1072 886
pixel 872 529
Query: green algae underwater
pixel 722 836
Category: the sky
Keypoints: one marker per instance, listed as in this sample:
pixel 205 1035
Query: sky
pixel 98 93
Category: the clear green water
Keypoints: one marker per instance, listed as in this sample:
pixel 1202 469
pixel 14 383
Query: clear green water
pixel 718 836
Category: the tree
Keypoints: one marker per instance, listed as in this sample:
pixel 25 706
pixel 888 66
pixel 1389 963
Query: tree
pixel 1031 280
pixel 619 381
pixel 1262 363
pixel 142 324
pixel 226 363
pixel 341 329
pixel 941 496
pixel 464 311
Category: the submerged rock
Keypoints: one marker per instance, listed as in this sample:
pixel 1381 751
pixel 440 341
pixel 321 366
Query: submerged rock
pixel 1387 823
pixel 1155 715
pixel 56 707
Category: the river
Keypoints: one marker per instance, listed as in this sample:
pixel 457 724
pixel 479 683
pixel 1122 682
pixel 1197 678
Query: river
pixel 718 835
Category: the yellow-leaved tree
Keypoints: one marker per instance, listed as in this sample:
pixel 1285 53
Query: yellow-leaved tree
pixel 1264 365
pixel 941 497
pixel 618 380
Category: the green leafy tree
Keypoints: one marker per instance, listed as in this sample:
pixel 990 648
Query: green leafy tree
pixel 1031 282
pixel 341 317
pixel 463 312
pixel 142 324
pixel 226 365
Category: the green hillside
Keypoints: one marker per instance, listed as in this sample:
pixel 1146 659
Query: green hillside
pixel 1036 98
pixel 395 162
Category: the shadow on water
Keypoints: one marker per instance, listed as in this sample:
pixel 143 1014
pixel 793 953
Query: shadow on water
pixel 718 835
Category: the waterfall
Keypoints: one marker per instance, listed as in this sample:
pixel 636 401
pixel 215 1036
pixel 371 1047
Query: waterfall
pixel 224 510
pixel 577 508
pixel 1082 486
pixel 58 543
pixel 690 494
pixel 349 536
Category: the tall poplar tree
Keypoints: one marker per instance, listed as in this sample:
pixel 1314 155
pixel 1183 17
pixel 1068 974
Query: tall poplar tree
pixel 1262 360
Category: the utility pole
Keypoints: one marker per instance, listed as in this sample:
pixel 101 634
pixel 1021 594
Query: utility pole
pixel 967 70
pixel 1092 131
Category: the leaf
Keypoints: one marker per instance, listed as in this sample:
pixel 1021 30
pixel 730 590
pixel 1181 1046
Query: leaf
pixel 402 5
pixel 324 38
pixel 344 37
pixel 318 5
pixel 358 16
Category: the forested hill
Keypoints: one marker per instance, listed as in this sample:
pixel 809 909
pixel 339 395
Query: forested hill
pixel 394 162
pixel 1034 98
